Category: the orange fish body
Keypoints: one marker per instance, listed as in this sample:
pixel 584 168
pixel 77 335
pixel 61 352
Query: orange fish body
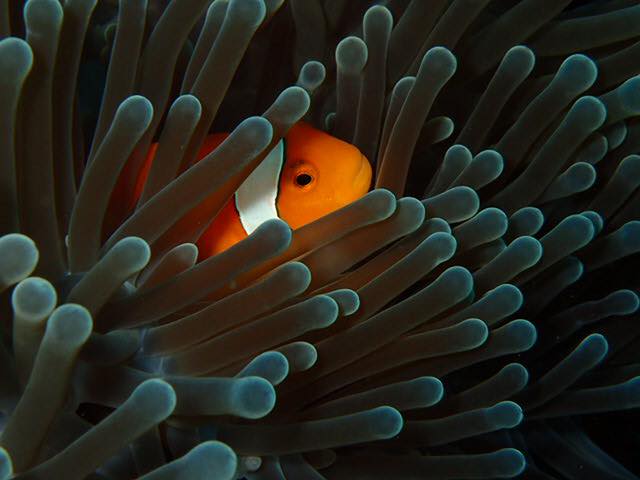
pixel 307 175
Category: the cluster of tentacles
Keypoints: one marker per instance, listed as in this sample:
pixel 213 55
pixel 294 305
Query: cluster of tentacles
pixel 473 316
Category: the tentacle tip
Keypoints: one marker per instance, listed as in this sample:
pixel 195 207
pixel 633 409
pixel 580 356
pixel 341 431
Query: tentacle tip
pixel 445 243
pixel 34 298
pixel 254 398
pixel 430 389
pixel 381 201
pixel 256 132
pixel 506 414
pixel 40 13
pixel 510 294
pixel 379 14
pixel 525 332
pixel 70 324
pixel 16 58
pixel 190 104
pixel 591 111
pixel 214 456
pixel 597 346
pixel 440 59
pixel 518 374
pixel 388 421
pixel 247 12
pixel 351 54
pixel 522 54
pixel 18 257
pixel 296 274
pixel 136 111
pixel 459 279
pixel 275 234
pixel 631 302
pixel 476 331
pixel 511 461
pixel 132 253
pixel 295 102
pixel 157 395
pixel 580 71
pixel 323 309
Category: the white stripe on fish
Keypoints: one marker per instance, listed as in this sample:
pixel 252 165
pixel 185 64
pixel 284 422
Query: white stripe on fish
pixel 256 197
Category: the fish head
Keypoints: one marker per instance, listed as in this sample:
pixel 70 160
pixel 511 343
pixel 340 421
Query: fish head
pixel 321 174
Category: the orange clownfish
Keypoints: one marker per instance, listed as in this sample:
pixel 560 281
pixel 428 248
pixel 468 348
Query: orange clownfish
pixel 307 175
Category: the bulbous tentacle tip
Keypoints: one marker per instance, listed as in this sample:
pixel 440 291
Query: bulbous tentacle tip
pixel 629 93
pixel 439 60
pixel 301 355
pixel 443 243
pixel 381 200
pixel 255 397
pixel 214 458
pixel 273 235
pixel 155 396
pixel 348 301
pixel 33 299
pixel 590 111
pixel 255 132
pixel 413 209
pixel 595 218
pixel 521 54
pixel 475 332
pixel 531 245
pixel 18 258
pixel 321 310
pixel 311 75
pixel 387 422
pixel 16 58
pixel 511 462
pixel 351 55
pixel 273 366
pixel 294 102
pixel 630 234
pixel 523 332
pixel 294 273
pixel 130 253
pixel 624 302
pixel 494 219
pixel 458 279
pixel 378 16
pixel 518 374
pixel 505 414
pixel 579 72
pixel 429 389
pixel 187 106
pixel 70 324
pixel 247 13
pixel 40 14
pixel 187 253
pixel 135 111
pixel 509 295
pixel 595 346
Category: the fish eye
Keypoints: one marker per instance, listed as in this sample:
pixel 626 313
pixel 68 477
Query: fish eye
pixel 303 179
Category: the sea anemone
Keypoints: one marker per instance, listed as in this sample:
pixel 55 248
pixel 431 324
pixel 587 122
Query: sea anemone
pixel 472 316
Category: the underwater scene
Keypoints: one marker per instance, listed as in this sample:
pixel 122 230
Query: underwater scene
pixel 319 239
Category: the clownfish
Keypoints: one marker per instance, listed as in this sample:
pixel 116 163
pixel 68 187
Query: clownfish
pixel 307 175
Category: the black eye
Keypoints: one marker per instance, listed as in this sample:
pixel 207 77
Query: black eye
pixel 304 179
